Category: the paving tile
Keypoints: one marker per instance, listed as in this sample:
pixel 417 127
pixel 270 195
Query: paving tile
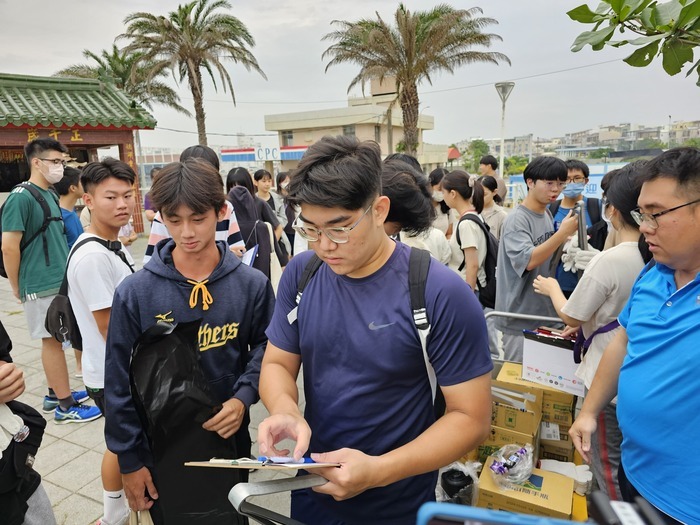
pixel 75 474
pixel 55 455
pixel 56 494
pixel 88 435
pixel 77 510
pixel 93 490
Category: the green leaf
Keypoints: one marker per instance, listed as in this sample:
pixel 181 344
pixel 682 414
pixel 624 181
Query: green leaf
pixel 647 39
pixel 603 8
pixel 675 55
pixel 593 38
pixel 664 15
pixel 688 15
pixel 644 55
pixel 631 7
pixel 617 5
pixel 584 15
pixel 645 18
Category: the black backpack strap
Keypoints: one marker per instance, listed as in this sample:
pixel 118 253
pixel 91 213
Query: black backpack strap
pixel 554 208
pixel 310 270
pixel 112 246
pixel 593 209
pixel 418 265
pixel 47 219
pixel 459 240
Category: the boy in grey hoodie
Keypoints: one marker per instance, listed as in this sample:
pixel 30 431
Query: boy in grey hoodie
pixel 190 277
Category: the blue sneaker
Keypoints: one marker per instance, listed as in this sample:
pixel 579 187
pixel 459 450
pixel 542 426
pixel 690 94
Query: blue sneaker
pixel 78 413
pixel 50 403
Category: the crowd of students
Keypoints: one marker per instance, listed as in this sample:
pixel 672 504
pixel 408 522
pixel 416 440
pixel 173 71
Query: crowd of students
pixel 382 332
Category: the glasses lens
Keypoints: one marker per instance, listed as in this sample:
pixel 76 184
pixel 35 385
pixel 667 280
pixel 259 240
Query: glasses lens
pixel 306 233
pixel 337 236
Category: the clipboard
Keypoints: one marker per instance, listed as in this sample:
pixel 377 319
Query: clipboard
pixel 245 463
pixel 249 256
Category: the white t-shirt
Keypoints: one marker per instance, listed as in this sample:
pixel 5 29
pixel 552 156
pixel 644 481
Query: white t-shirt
pixel 599 298
pixel 472 237
pixel 432 240
pixel 94 273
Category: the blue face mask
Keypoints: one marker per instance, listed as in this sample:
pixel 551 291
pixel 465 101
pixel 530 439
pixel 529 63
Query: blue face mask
pixel 574 189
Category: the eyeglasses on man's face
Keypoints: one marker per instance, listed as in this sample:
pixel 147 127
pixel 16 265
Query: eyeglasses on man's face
pixel 55 162
pixel 554 184
pixel 651 218
pixel 336 235
pixel 577 179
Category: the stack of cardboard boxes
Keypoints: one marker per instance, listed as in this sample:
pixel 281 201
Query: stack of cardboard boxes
pixel 525 412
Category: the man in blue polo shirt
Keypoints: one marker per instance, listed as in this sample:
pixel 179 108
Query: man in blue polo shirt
pixel 650 364
pixel 368 396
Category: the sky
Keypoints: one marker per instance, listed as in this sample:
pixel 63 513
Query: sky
pixel 556 91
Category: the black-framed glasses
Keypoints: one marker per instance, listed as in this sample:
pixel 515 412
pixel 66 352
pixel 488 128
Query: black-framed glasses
pixel 651 218
pixel 336 235
pixel 55 162
pixel 578 179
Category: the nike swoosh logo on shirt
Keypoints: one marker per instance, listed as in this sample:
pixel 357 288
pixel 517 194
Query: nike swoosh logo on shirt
pixel 373 326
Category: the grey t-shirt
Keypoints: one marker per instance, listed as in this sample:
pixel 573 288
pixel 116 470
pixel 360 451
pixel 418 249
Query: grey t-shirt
pixel 522 231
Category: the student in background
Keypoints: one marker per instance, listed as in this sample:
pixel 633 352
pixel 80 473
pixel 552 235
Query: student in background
pixel 494 216
pixel 443 220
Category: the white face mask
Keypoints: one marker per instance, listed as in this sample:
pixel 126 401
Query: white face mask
pixel 284 185
pixel 438 196
pixel 604 215
pixel 54 173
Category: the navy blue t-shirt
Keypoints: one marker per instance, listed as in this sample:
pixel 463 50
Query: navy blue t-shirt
pixel 365 378
pixel 73 226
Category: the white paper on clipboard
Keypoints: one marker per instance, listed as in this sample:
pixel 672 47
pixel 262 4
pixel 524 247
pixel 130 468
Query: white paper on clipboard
pixel 249 256
pixel 551 365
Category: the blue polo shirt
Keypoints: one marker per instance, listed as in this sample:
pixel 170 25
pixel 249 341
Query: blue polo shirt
pixel 658 404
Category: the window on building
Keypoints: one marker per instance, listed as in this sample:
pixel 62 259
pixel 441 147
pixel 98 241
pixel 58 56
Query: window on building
pixel 378 134
pixel 349 130
pixel 287 137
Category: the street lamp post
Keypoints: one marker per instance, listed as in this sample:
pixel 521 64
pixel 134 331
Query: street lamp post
pixel 504 89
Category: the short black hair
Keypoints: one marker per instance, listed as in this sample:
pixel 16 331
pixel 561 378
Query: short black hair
pixel 239 177
pixel 96 172
pixel 38 146
pixel 490 160
pixel 408 159
pixel 281 177
pixel 546 168
pixel 194 183
pixel 467 186
pixel 201 152
pixel 71 177
pixel 261 174
pixel 410 196
pixel 338 172
pixel 490 183
pixel 679 164
pixel 575 164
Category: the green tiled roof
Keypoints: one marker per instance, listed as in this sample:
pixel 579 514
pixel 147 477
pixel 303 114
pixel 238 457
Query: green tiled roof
pixel 50 101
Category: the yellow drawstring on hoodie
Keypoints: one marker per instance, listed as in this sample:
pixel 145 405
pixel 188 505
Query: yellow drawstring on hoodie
pixel 207 299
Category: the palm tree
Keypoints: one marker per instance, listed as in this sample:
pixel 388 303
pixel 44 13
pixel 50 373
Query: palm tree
pixel 417 46
pixel 192 38
pixel 127 72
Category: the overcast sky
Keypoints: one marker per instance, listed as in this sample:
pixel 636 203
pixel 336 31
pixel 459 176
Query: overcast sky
pixel 39 38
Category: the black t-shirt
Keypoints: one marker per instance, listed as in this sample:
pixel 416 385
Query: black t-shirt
pixel 5 345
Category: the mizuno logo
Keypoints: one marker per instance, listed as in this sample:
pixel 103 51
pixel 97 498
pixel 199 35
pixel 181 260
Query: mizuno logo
pixel 164 317
pixel 373 326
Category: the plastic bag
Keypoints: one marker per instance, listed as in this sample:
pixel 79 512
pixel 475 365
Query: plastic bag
pixel 457 483
pixel 512 464
pixel 173 398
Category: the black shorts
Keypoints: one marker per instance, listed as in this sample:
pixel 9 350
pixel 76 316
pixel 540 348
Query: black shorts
pixel 98 396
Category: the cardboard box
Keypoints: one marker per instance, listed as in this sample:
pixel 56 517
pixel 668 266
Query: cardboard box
pixel 498 437
pixel 544 494
pixel 557 406
pixel 561 451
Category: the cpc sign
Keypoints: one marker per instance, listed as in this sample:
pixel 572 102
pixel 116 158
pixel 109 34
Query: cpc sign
pixel 267 154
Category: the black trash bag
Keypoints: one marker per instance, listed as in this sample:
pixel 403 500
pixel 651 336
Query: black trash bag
pixel 173 399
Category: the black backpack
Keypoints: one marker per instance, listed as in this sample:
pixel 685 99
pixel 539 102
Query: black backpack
pixel 598 232
pixel 487 294
pixel 48 219
pixel 60 319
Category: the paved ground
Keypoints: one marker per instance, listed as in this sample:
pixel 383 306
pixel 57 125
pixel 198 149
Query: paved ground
pixel 70 456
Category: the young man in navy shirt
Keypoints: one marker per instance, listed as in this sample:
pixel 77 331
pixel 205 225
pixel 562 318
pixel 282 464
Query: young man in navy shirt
pixel 368 397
